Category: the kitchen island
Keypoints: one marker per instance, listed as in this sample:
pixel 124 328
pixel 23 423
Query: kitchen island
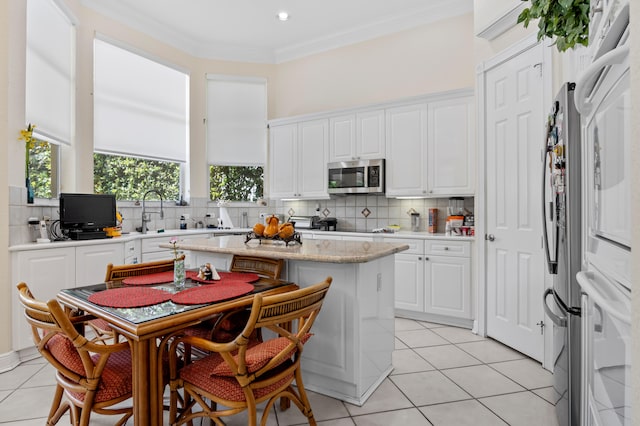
pixel 350 352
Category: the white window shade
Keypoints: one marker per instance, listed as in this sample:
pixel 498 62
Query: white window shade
pixel 140 106
pixel 236 121
pixel 50 72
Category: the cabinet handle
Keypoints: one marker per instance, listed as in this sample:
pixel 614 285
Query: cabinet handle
pixel 426 259
pixel 419 257
pixel 446 248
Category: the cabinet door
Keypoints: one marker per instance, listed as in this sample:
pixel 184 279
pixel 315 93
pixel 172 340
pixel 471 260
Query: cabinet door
pixel 406 150
pixel 283 161
pixel 450 157
pixel 370 137
pixel 46 272
pixel 313 146
pixel 92 261
pixel 448 286
pixel 342 138
pixel 409 282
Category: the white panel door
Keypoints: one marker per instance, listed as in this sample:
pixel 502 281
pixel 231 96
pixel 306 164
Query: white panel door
pixel 409 282
pixel 342 139
pixel 515 269
pixel 370 138
pixel 448 286
pixel 283 161
pixel 92 261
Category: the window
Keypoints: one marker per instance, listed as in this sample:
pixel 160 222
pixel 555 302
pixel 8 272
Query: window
pixel 141 118
pixel 49 91
pixel 236 137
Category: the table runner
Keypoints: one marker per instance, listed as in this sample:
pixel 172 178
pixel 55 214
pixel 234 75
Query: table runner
pixel 129 297
pixel 156 278
pixel 212 293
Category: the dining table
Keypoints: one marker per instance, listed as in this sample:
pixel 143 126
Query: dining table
pixel 149 328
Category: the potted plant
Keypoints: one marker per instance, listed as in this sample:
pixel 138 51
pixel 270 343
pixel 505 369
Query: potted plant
pixel 567 20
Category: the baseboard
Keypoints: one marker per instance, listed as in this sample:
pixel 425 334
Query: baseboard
pixel 9 361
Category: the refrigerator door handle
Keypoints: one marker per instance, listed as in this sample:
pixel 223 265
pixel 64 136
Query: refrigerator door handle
pixel 557 320
pixel 552 265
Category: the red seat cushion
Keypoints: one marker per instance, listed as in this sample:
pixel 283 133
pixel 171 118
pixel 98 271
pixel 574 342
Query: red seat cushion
pixel 116 379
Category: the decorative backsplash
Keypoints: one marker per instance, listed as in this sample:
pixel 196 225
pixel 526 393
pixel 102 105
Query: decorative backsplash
pixel 356 213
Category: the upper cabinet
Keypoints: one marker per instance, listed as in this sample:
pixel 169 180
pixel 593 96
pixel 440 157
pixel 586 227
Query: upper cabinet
pixel 298 156
pixel 427 142
pixel 430 149
pixel 357 136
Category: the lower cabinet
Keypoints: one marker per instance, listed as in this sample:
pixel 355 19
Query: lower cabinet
pixel 91 262
pixel 433 281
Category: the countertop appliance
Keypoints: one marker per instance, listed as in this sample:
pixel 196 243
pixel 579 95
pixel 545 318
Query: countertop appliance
pixel 562 227
pixel 305 222
pixel 603 98
pixel 356 177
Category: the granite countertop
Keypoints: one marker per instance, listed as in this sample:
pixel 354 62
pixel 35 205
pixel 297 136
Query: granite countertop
pixel 329 251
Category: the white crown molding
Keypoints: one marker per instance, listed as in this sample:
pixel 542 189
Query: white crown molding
pixel 425 16
pixel 243 53
pixel 503 23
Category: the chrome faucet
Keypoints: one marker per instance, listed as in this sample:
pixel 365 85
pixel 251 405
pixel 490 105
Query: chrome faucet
pixel 145 214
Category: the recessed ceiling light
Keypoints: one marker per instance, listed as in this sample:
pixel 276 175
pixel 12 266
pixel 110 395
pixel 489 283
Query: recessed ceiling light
pixel 283 16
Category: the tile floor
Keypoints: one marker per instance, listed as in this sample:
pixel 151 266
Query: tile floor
pixel 443 376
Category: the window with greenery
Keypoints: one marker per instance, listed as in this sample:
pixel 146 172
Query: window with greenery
pixel 43 164
pixel 128 178
pixel 236 183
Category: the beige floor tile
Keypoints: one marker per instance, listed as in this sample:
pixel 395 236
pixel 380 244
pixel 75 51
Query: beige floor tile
pixel 526 372
pixel 522 409
pixel 400 345
pixel 45 377
pixel 549 394
pixel 481 380
pixel 430 387
pixel 457 334
pixel 490 351
pixel 427 324
pixel 338 422
pixel 386 397
pixel 402 324
pixel 410 416
pixel 407 361
pixel 24 404
pixel 324 408
pixel 446 356
pixel 16 377
pixel 4 394
pixel 420 338
pixel 461 413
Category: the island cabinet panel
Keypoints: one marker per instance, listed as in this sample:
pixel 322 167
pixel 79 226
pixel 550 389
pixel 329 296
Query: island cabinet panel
pixel 350 353
pixel 46 272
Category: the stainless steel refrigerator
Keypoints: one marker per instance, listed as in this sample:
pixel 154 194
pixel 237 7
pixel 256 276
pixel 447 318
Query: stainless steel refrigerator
pixel 561 209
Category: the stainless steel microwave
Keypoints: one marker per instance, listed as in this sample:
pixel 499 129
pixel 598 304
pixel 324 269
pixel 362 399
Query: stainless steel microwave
pixel 356 177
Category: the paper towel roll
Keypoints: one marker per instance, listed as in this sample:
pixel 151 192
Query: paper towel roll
pixel 226 219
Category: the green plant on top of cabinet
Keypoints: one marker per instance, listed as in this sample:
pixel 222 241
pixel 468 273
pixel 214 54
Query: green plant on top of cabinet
pixel 357 136
pixel 298 155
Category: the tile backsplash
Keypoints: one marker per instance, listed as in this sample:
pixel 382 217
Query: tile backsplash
pixel 361 213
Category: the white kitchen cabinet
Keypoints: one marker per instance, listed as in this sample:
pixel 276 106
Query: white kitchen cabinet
pixel 433 281
pixel 357 136
pixel 406 131
pixel 450 148
pixel 430 148
pixel 132 252
pixel 92 261
pixel 46 272
pixel 298 156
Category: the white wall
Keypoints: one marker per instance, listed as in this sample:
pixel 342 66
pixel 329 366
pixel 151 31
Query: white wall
pixel 635 203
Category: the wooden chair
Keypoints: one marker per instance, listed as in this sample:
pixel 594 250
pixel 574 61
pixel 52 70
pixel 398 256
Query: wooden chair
pixel 91 377
pixel 100 327
pixel 242 373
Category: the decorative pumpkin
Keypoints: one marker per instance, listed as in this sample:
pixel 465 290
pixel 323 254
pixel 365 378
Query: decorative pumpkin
pixel 286 230
pixel 272 227
pixel 258 229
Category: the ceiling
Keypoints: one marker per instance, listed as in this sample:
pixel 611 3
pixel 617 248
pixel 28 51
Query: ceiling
pixel 248 30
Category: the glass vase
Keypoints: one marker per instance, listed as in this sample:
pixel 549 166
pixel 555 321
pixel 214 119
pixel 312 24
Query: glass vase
pixel 179 274
pixel 29 190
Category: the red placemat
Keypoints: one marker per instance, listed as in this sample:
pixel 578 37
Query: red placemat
pixel 246 277
pixel 157 278
pixel 129 297
pixel 212 293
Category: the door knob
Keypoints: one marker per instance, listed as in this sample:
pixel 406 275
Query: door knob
pixel 490 237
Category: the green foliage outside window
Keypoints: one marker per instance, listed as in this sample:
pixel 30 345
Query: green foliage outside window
pixel 40 169
pixel 128 178
pixel 236 183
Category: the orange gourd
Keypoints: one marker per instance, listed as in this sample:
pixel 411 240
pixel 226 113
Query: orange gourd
pixel 272 227
pixel 286 231
pixel 258 229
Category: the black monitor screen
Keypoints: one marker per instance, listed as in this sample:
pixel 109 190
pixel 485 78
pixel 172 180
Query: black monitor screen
pixel 87 211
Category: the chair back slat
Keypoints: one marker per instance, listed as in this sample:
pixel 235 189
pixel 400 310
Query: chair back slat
pixel 120 272
pixel 270 268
